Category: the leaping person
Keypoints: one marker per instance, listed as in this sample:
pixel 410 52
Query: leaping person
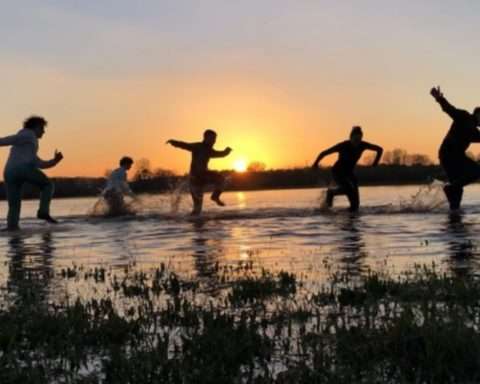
pixel 200 175
pixel 349 152
pixel 23 166
pixel 460 169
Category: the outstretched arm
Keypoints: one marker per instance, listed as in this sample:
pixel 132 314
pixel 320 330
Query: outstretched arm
pixel 9 140
pixel 44 164
pixel 223 153
pixel 181 145
pixel 14 139
pixel 375 148
pixel 325 153
pixel 448 108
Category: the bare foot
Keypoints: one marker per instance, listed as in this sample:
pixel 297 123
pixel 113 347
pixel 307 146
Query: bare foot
pixel 218 201
pixel 47 218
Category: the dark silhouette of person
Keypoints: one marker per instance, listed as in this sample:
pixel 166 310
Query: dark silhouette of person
pixel 24 166
pixel 200 175
pixel 349 152
pixel 460 169
pixel 117 187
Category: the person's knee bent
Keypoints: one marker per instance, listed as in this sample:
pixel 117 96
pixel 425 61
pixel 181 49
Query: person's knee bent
pixel 219 181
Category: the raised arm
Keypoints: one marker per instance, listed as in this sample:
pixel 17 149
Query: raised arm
pixel 223 153
pixel 181 145
pixel 375 148
pixel 448 108
pixel 325 153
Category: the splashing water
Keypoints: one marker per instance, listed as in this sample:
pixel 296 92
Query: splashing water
pixel 177 193
pixel 322 200
pixel 116 206
pixel 428 198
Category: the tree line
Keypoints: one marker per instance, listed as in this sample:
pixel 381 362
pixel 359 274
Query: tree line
pixel 398 167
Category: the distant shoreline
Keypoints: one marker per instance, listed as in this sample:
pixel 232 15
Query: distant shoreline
pixel 298 178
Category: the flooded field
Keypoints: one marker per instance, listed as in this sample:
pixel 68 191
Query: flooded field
pixel 272 289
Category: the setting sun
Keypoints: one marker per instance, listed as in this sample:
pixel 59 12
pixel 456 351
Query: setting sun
pixel 240 165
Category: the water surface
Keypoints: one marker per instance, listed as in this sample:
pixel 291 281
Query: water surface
pixel 396 228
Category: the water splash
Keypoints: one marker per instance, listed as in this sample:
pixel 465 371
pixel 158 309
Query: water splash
pixel 177 194
pixel 104 207
pixel 428 198
pixel 322 201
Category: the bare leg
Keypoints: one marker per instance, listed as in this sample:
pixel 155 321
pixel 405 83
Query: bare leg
pixel 331 193
pixel 454 193
pixel 460 172
pixel 219 185
pixel 14 195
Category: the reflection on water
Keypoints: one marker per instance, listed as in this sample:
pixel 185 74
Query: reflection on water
pixel 207 249
pixel 30 264
pixel 276 230
pixel 461 246
pixel 351 247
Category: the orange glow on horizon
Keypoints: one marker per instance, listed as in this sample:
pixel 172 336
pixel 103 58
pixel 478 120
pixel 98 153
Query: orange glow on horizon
pixel 240 165
pixel 261 120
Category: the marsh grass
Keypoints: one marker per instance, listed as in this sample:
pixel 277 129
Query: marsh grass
pixel 258 327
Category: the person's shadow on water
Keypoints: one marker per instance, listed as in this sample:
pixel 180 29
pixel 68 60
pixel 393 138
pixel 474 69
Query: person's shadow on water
pixel 30 268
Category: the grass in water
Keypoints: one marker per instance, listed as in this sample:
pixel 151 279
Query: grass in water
pixel 155 327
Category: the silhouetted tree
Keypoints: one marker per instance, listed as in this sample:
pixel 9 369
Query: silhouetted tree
pixel 256 166
pixel 418 159
pixel 399 156
pixel 161 172
pixel 143 170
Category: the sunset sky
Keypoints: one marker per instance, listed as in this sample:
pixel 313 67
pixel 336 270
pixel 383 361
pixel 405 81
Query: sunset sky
pixel 279 80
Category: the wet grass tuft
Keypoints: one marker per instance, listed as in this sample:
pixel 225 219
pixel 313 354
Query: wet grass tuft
pixel 155 326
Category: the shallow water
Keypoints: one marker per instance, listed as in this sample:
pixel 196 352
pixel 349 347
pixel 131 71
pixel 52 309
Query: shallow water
pixel 277 230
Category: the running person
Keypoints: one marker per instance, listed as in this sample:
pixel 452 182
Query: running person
pixel 200 175
pixel 24 166
pixel 460 169
pixel 117 187
pixel 349 152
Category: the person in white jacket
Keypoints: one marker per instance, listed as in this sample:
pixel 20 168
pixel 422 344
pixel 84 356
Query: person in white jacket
pixel 117 187
pixel 24 166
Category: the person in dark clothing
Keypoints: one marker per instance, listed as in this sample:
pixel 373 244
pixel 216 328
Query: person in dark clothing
pixel 200 175
pixel 460 169
pixel 349 152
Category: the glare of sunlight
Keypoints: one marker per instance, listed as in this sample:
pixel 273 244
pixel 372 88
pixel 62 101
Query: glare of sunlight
pixel 240 165
pixel 241 200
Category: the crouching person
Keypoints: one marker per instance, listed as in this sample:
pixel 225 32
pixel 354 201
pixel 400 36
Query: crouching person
pixel 24 166
pixel 117 187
